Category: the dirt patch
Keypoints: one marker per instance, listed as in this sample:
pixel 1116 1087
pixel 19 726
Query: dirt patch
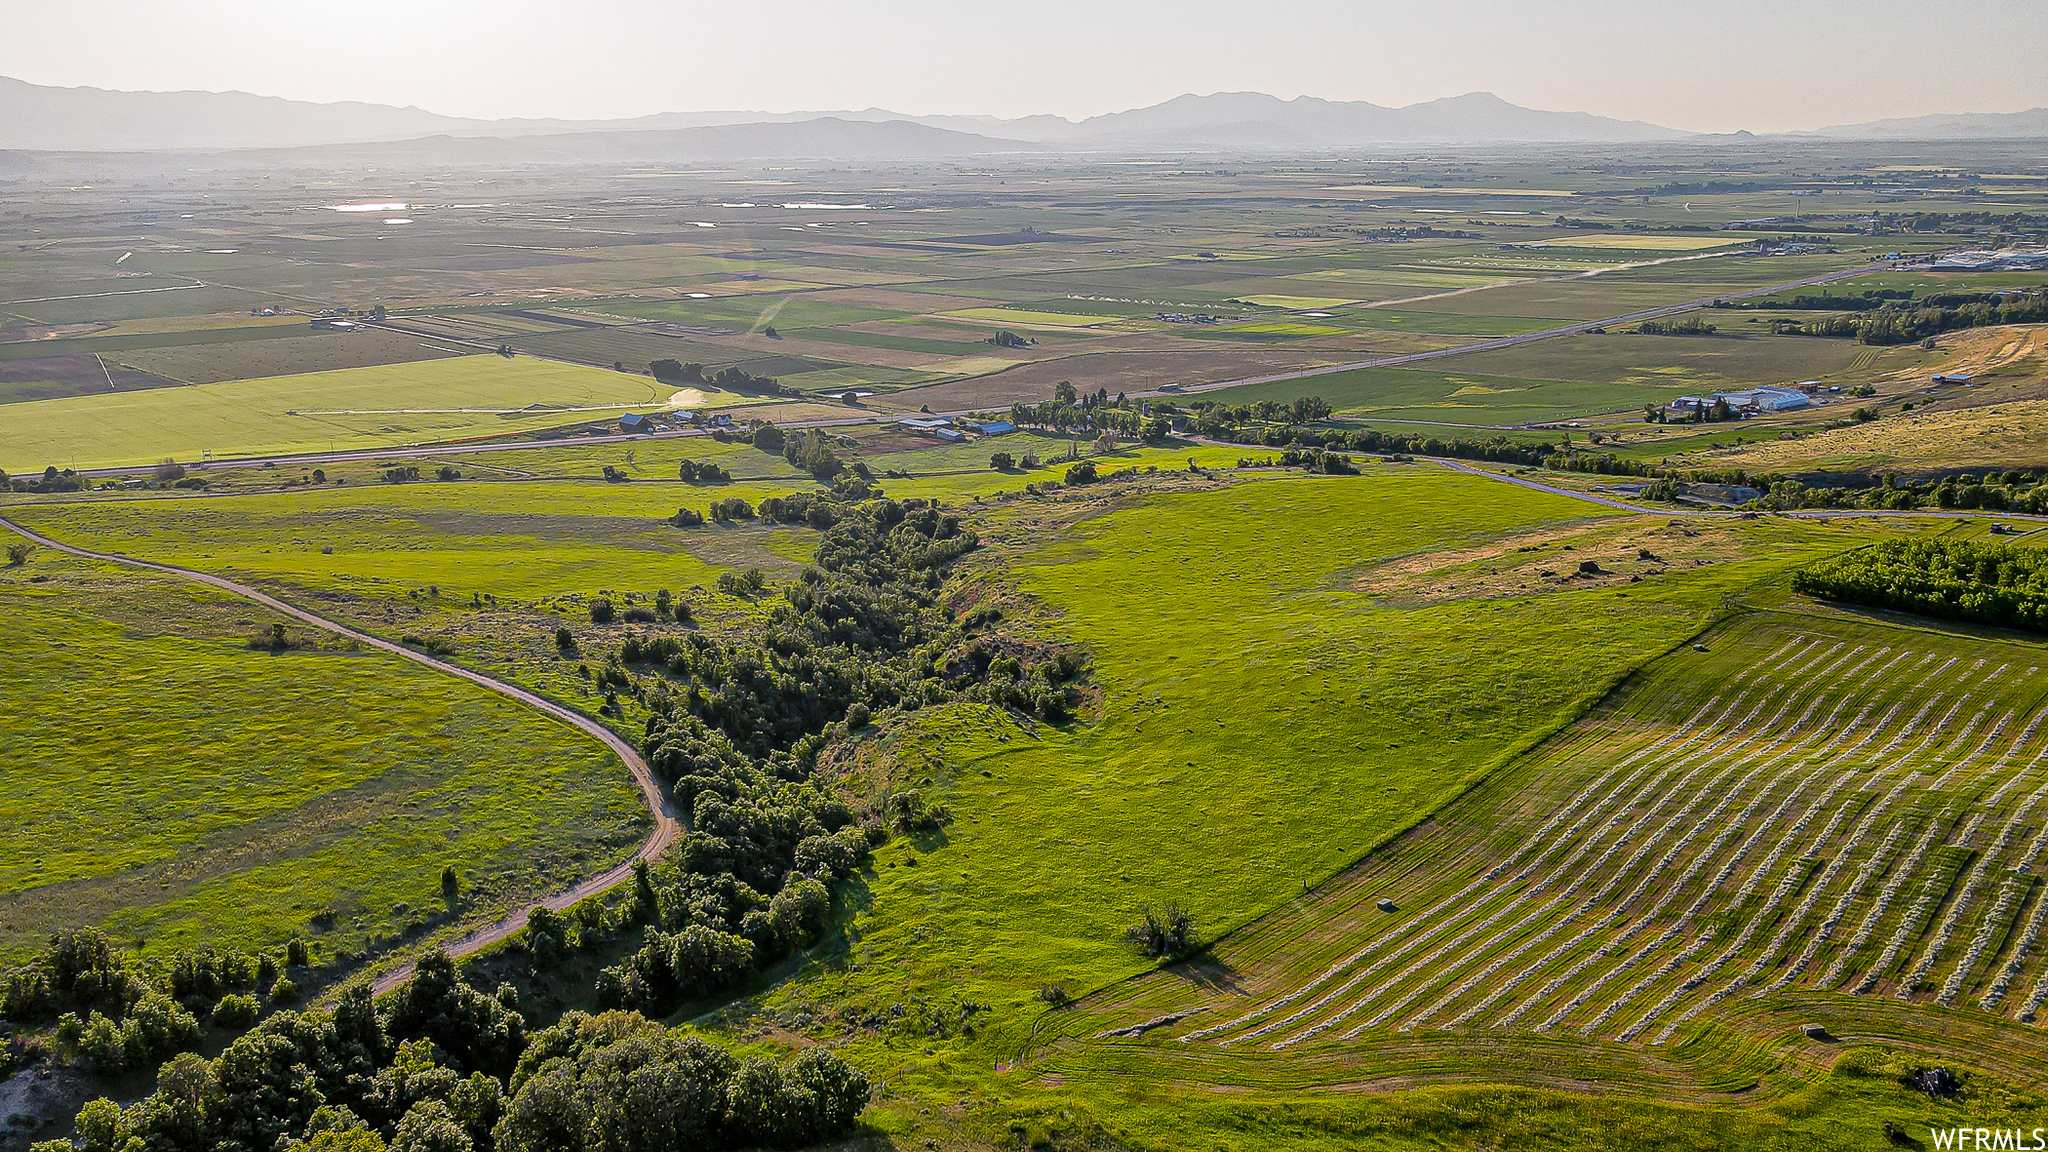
pixel 48 377
pixel 45 1098
pixel 1554 560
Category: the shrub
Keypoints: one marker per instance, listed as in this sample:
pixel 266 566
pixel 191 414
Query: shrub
pixel 18 554
pixel 1167 931
pixel 1082 473
pixel 731 508
pixel 284 991
pixel 1054 995
pixel 686 518
pixel 447 473
pixel 1002 462
pixel 601 611
pixel 235 1012
pixel 565 640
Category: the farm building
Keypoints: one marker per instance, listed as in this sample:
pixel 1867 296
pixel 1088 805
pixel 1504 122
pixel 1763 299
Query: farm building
pixel 923 423
pixel 1747 402
pixel 635 422
pixel 992 427
pixel 1767 398
pixel 333 324
pixel 951 435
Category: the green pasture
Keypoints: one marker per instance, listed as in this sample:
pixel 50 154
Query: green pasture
pixel 171 785
pixel 1263 722
pixel 521 540
pixel 351 408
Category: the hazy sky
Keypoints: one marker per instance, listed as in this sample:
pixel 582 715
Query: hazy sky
pixel 1714 65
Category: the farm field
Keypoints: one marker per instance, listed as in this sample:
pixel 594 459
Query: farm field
pixel 1423 634
pixel 286 356
pixel 1636 810
pixel 1817 820
pixel 415 403
pixel 215 794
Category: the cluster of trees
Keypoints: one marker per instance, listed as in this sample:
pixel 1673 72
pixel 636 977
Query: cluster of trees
pixel 1319 460
pixel 809 450
pixel 444 1067
pixel 1895 323
pixel 1689 326
pixel 676 372
pixel 702 473
pixel 1826 301
pixel 1009 339
pixel 1068 411
pixel 52 480
pixel 1985 583
pixel 731 379
pixel 738 722
pixel 2011 491
pixel 1072 411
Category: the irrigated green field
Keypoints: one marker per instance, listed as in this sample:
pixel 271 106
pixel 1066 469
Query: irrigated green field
pixel 174 786
pixel 1813 819
pixel 422 402
pixel 1292 672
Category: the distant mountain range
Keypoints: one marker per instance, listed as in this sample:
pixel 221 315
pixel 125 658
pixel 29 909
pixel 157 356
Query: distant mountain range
pixel 38 118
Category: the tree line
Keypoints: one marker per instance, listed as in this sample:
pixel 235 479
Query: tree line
pixel 438 1066
pixel 1984 583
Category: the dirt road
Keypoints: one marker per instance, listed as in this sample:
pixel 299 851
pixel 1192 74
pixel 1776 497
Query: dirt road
pixel 667 827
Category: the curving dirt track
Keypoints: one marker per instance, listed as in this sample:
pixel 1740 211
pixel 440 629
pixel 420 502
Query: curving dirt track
pixel 667 827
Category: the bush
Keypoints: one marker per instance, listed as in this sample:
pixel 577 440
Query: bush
pixel 731 508
pixel 1082 473
pixel 18 554
pixel 284 991
pixel 601 611
pixel 742 583
pixel 687 518
pixel 1002 462
pixel 565 640
pixel 235 1012
pixel 1166 932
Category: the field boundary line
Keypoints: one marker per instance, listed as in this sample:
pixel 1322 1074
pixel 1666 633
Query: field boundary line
pixel 667 826
pixel 1529 746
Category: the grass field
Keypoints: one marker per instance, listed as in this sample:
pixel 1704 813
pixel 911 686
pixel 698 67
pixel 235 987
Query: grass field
pixel 1291 670
pixel 1818 819
pixel 351 408
pixel 175 787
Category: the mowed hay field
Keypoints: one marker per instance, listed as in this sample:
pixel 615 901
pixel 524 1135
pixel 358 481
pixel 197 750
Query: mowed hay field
pixel 168 783
pixel 1818 819
pixel 384 406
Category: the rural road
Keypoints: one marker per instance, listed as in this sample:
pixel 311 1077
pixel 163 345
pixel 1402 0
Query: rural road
pixel 413 452
pixel 667 827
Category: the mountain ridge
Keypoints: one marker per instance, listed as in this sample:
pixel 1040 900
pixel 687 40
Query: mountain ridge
pixel 84 119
